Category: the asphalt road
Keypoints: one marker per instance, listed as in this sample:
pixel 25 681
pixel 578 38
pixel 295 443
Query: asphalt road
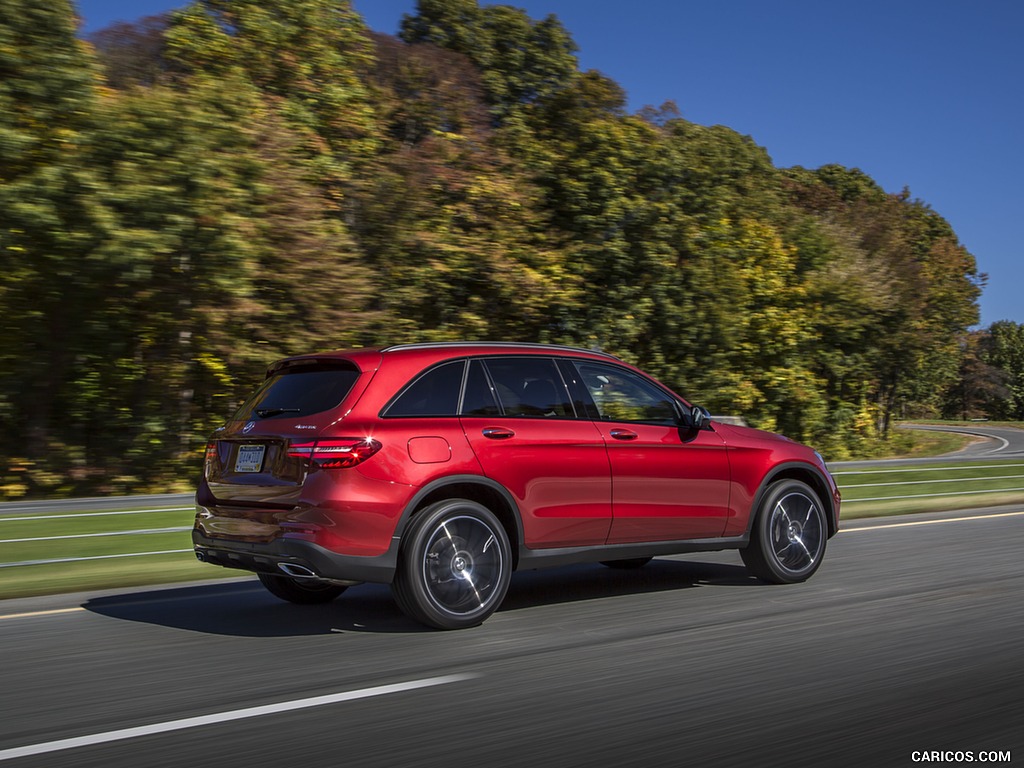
pixel 909 638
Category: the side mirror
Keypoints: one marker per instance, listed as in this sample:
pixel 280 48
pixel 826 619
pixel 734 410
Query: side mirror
pixel 700 418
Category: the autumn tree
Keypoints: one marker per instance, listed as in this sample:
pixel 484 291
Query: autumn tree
pixel 1005 352
pixel 304 56
pixel 521 61
pixel 226 257
pixel 134 53
pixel 929 280
pixel 980 388
pixel 451 227
pixel 51 220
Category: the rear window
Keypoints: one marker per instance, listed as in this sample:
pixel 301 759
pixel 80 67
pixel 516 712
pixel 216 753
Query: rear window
pixel 297 392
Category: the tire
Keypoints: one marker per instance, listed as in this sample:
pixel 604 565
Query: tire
pixel 787 539
pixel 628 564
pixel 454 565
pixel 301 591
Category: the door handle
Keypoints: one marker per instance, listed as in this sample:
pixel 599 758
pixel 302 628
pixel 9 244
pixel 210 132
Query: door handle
pixel 623 434
pixel 498 433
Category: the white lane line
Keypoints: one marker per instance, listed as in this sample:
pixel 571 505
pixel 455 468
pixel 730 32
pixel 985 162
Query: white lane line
pixel 924 469
pixel 51 612
pixel 933 495
pixel 931 522
pixel 225 717
pixel 1004 441
pixel 53 560
pixel 930 481
pixel 5 519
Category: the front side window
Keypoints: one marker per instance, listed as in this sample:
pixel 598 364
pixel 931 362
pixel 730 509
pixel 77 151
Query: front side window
pixel 621 395
pixel 530 387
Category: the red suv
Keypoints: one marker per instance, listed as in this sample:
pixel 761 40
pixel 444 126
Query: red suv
pixel 441 468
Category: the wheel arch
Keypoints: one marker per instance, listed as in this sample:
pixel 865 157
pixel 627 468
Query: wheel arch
pixel 483 491
pixel 805 473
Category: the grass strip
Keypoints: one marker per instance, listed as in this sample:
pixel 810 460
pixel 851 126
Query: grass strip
pixel 48 549
pixel 25 527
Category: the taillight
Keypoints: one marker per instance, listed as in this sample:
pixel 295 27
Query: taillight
pixel 211 457
pixel 300 450
pixel 338 453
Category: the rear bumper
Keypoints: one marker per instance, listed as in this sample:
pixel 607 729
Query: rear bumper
pixel 266 557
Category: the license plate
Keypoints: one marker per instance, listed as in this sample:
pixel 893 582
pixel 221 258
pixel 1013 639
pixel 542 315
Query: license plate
pixel 250 458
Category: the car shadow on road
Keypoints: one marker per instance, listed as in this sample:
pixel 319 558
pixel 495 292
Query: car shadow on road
pixel 246 609
pixel 595 582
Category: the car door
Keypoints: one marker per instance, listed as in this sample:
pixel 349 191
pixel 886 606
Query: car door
pixel 669 481
pixel 523 427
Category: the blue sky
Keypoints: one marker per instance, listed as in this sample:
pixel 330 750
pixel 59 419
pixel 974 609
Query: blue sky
pixel 922 94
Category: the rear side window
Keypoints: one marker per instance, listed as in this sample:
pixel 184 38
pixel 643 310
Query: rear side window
pixel 479 398
pixel 530 386
pixel 434 393
pixel 297 392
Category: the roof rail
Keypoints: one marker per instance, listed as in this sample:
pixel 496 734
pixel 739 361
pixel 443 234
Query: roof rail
pixel 502 344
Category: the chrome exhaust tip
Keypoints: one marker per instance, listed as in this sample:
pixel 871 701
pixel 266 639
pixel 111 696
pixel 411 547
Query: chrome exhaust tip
pixel 297 571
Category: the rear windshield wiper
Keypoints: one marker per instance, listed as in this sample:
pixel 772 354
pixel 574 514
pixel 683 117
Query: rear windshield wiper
pixel 265 412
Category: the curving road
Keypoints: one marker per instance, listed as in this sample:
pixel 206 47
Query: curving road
pixel 992 442
pixel 995 443
pixel 908 639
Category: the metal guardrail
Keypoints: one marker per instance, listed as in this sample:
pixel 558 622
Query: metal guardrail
pixel 53 560
pixel 890 494
pixel 947 470
pixel 97 503
pixel 100 534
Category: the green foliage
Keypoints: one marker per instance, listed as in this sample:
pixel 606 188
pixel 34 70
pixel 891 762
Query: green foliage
pixel 522 61
pixel 135 53
pixel 980 389
pixel 907 291
pixel 304 55
pixel 52 218
pixel 452 229
pixel 250 179
pixel 1005 353
pixel 181 184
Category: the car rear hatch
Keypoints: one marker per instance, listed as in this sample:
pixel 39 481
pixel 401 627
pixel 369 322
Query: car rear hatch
pixel 261 456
